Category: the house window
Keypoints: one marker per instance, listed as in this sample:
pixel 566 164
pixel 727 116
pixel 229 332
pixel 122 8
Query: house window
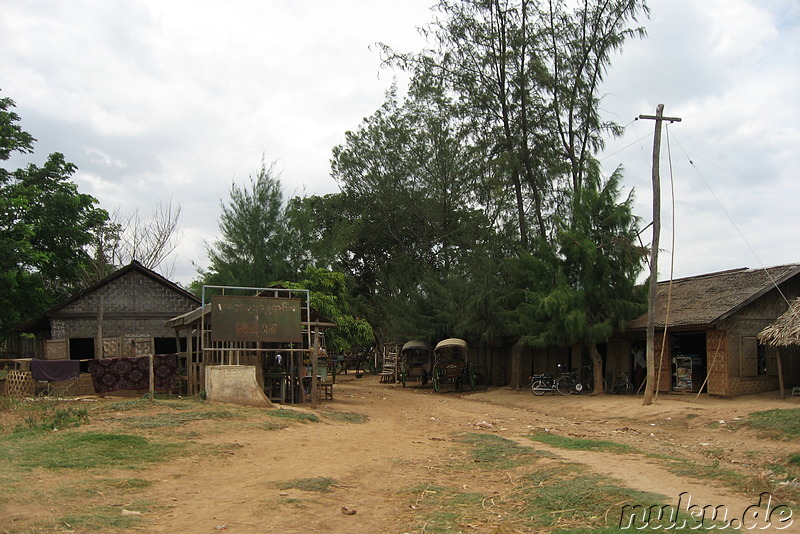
pixel 753 357
pixel 748 356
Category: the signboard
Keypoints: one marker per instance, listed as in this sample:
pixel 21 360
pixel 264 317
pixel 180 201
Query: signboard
pixel 275 320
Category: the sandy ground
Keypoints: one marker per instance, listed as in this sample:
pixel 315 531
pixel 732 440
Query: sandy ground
pixel 410 432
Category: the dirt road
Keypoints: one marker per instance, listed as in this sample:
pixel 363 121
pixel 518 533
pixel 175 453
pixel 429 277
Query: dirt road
pixel 378 466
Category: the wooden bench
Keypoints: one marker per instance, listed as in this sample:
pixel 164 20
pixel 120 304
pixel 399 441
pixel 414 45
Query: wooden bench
pixel 796 391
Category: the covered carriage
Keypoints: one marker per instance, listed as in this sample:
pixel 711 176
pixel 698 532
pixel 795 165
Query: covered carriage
pixel 451 365
pixel 415 362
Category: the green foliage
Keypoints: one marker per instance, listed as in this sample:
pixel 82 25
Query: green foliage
pixel 408 206
pixel 329 296
pixel 58 419
pixel 775 424
pixel 173 419
pixel 294 415
pixel 494 452
pixel 525 76
pixel 45 226
pixel 578 444
pixel 83 450
pixel 253 250
pixel 592 272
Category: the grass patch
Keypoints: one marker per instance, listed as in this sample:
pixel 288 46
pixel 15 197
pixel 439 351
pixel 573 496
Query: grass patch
pixel 294 415
pixel 580 444
pixel 55 419
pixel 553 499
pixel 103 518
pixel 93 487
pixel 495 452
pixel 444 510
pixel 82 450
pixel 783 424
pixel 712 471
pixel 562 496
pixel 319 484
pixel 346 417
pixel 273 425
pixel 174 419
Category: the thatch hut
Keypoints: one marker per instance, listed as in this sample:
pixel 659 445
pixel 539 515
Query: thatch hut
pixel 784 332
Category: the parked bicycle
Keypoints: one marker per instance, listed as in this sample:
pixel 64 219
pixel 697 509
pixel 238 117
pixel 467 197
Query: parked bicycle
pixel 566 384
pixel 587 374
pixel 622 385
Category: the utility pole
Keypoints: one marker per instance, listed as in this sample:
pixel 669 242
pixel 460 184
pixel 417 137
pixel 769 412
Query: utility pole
pixel 651 299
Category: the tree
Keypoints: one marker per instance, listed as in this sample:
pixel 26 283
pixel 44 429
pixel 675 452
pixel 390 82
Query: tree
pixel 526 79
pixel 329 296
pixel 591 273
pixel 148 239
pixel 409 205
pixel 45 228
pixel 253 248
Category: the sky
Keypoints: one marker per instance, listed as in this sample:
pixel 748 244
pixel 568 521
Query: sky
pixel 169 100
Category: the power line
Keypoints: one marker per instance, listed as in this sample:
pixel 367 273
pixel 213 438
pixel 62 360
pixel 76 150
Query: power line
pixel 732 221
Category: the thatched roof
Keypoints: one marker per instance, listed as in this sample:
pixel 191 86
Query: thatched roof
pixel 706 299
pixel 785 330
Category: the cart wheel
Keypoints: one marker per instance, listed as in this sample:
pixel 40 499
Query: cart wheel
pixel 539 387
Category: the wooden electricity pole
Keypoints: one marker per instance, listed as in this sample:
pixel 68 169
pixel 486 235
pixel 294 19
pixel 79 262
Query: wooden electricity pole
pixel 651 299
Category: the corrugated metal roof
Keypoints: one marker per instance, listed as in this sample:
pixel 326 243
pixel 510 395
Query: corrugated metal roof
pixel 708 298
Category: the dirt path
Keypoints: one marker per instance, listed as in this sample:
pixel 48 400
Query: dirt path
pixel 409 434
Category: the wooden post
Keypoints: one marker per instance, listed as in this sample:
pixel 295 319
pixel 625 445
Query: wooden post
pixel 152 378
pixel 314 357
pixel 651 299
pixel 98 349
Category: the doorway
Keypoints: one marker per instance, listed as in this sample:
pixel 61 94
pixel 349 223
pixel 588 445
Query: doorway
pixel 688 361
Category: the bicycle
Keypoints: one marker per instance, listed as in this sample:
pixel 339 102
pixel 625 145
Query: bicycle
pixel 587 371
pixel 568 383
pixel 622 385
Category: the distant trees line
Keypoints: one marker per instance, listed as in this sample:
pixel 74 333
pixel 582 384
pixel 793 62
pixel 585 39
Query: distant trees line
pixel 473 205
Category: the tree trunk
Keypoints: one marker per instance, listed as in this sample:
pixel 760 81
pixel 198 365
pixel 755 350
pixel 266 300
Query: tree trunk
pixel 597 369
pixel 516 380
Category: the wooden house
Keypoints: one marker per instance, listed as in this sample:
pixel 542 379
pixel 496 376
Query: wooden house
pixel 708 327
pixel 121 315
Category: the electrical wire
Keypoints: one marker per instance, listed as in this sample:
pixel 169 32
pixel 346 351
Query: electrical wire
pixel 733 222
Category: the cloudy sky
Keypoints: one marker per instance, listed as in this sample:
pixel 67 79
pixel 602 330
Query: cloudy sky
pixel 158 100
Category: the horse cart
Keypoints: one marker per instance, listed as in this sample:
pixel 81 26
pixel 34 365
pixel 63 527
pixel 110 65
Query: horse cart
pixel 415 362
pixel 451 365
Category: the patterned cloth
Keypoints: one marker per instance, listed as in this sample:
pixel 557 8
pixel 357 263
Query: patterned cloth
pixel 55 370
pixel 117 374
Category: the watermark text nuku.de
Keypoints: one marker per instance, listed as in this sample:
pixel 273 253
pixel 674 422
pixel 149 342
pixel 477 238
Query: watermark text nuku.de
pixel 765 514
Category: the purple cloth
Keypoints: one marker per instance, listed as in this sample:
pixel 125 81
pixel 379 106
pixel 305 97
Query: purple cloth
pixel 55 370
pixel 116 374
